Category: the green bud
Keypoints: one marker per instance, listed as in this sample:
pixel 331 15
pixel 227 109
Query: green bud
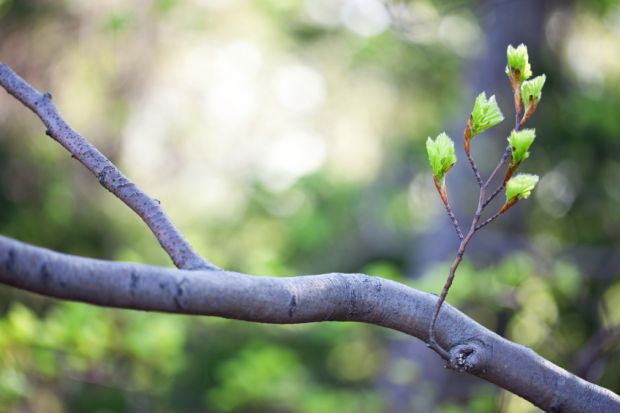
pixel 520 142
pixel 485 115
pixel 441 154
pixel 520 186
pixel 531 90
pixel 518 60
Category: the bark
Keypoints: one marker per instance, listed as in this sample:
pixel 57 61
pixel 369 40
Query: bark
pixel 303 299
pixel 207 290
pixel 109 176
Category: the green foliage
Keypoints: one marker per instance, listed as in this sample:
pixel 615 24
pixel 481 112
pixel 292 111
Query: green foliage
pixel 485 115
pixel 520 186
pixel 518 60
pixel 531 90
pixel 440 154
pixel 520 141
pixel 261 373
pixel 265 374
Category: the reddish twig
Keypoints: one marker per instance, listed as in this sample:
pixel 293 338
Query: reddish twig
pixel 444 198
pixel 497 168
pixel 467 144
pixel 489 220
pixel 455 222
pixel 432 343
pixel 483 202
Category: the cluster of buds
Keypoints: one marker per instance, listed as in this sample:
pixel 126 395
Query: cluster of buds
pixel 527 93
pixel 486 114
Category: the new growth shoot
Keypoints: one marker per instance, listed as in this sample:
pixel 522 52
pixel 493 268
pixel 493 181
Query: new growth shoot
pixel 486 114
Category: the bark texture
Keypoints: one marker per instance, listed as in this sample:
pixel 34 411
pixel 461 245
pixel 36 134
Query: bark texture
pixel 303 299
pixel 109 176
pixel 207 290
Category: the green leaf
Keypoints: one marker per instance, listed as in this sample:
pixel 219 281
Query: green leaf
pixel 440 154
pixel 518 60
pixel 520 142
pixel 485 115
pixel 531 90
pixel 520 186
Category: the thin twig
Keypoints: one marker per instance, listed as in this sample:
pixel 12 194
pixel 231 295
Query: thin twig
pixel 467 137
pixel 494 194
pixel 109 176
pixel 507 152
pixel 474 168
pixel 497 168
pixel 432 343
pixel 482 203
pixel 455 222
pixel 489 220
pixel 443 195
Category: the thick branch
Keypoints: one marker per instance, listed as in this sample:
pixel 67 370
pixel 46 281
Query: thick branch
pixel 303 299
pixel 109 176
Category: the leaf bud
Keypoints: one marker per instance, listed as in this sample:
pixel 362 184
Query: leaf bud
pixel 518 63
pixel 441 154
pixel 520 187
pixel 520 142
pixel 485 115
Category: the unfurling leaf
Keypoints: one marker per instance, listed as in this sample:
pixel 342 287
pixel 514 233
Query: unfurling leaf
pixel 520 142
pixel 520 187
pixel 518 62
pixel 441 154
pixel 485 115
pixel 531 90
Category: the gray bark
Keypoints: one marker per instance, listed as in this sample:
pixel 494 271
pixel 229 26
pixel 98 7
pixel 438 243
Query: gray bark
pixel 207 290
pixel 109 176
pixel 303 299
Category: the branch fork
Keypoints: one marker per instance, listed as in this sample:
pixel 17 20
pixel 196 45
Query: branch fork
pixel 208 290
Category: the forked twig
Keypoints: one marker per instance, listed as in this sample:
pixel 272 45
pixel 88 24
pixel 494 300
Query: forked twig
pixel 483 202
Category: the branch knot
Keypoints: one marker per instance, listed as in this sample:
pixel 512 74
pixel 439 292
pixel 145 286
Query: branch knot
pixel 470 357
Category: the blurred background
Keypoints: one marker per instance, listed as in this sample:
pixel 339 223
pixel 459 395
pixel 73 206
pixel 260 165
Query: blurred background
pixel 287 137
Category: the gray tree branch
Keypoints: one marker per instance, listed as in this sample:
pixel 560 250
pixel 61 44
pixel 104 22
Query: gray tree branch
pixel 328 297
pixel 109 176
pixel 303 299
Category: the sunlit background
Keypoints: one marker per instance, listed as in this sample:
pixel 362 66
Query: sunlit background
pixel 287 137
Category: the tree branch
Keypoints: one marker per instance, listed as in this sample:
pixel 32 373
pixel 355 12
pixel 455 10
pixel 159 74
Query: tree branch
pixel 329 297
pixel 303 299
pixel 109 176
